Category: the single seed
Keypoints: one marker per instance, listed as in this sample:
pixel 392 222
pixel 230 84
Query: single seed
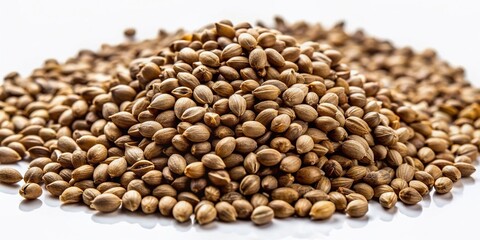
pixel 30 191
pixel 10 176
pixel 262 215
pixel 106 202
pixel 357 208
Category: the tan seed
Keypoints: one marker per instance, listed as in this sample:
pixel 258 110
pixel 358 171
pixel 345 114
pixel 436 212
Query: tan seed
pixel 443 185
pixel 322 210
pixel 410 196
pixel 357 208
pixel 106 203
pixel 10 176
pixel 262 215
pixel 30 191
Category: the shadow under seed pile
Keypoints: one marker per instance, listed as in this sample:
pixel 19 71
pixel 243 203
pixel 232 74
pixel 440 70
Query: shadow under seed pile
pixel 232 122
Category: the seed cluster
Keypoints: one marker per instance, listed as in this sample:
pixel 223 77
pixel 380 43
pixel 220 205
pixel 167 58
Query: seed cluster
pixel 240 122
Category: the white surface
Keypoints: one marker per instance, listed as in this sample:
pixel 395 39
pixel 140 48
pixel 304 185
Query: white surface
pixel 31 31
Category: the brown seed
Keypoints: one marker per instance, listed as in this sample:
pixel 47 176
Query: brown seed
pixel 419 186
pixel 353 149
pixel 84 172
pixel 197 133
pixel 194 170
pixel 286 194
pixel 57 188
pixel 226 212
pixel 253 129
pixel 290 164
pixel 305 112
pixel 225 147
pixel 308 175
pixel 250 185
pixel 257 59
pixel 409 196
pixel 97 154
pixel 71 195
pixel 8 155
pixel 231 51
pixel 388 199
pixel 243 208
pixel 279 123
pixel 177 164
pixel 452 172
pixel 281 209
pixel 339 200
pixel 443 185
pixel 30 191
pixel 406 172
pixel 247 41
pixel 205 214
pixel 266 92
pixel 304 144
pixel 262 215
pixel 149 204
pixel 322 210
pixel 166 205
pixel 182 211
pixel 106 202
pixel 266 39
pixel 357 208
pixel 269 157
pixel 237 104
pixel 89 195
pixel 209 59
pixel 465 169
pixel 213 161
pixel 10 176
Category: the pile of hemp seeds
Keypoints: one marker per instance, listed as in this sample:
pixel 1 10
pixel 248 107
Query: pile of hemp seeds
pixel 237 121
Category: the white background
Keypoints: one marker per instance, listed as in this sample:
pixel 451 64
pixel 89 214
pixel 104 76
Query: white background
pixel 32 31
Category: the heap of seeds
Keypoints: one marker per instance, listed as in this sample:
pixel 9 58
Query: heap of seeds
pixel 240 122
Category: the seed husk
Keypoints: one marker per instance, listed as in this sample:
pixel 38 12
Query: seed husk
pixel 262 215
pixel 30 191
pixel 10 176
